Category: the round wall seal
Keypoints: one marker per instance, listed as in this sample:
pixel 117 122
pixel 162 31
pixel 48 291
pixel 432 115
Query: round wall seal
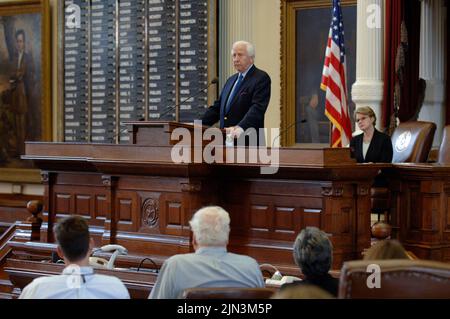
pixel 403 141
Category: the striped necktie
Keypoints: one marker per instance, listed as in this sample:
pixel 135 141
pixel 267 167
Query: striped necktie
pixel 233 92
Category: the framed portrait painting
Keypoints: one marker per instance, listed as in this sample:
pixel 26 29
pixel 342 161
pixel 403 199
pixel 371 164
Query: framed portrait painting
pixel 25 92
pixel 305 28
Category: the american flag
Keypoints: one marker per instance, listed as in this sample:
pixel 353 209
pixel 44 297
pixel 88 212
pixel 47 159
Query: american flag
pixel 334 81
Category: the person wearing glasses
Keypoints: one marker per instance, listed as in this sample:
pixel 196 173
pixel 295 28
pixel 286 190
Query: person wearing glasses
pixel 371 146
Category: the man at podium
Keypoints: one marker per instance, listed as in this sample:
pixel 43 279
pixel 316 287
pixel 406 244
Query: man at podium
pixel 244 98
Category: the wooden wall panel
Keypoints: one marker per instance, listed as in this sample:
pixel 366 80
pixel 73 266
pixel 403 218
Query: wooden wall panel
pixel 83 205
pixel 81 199
pixel 100 207
pixel 285 221
pixel 173 222
pixel 312 217
pixel 63 203
pixel 174 215
pixel 261 218
pixel 125 209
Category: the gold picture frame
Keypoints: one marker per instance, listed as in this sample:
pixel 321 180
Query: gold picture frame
pixel 25 84
pixel 292 104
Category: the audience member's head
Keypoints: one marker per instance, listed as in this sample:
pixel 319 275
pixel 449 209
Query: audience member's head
pixel 72 235
pixel 210 227
pixel 386 249
pixel 313 252
pixel 303 292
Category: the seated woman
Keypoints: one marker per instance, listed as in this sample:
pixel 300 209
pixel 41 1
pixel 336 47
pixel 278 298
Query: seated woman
pixel 313 253
pixel 371 146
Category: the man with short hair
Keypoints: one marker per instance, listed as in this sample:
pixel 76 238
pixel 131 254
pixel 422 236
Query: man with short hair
pixel 244 98
pixel 78 280
pixel 211 265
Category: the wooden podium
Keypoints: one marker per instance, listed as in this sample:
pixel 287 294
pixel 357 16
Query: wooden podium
pixel 136 196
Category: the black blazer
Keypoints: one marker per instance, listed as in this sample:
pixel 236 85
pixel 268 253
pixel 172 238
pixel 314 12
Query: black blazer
pixel 248 106
pixel 380 148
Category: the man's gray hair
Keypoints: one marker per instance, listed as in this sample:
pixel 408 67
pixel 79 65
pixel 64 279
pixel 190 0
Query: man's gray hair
pixel 313 252
pixel 250 48
pixel 211 226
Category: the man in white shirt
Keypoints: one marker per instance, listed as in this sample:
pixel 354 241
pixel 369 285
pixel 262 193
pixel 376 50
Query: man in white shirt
pixel 78 280
pixel 211 265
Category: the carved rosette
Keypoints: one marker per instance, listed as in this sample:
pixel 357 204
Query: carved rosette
pixel 150 213
pixel 333 191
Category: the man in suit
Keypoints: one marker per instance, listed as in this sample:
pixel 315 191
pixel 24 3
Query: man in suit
pixel 22 86
pixel 244 98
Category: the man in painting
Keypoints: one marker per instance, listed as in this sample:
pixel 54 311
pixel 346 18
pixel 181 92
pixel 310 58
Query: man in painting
pixel 21 86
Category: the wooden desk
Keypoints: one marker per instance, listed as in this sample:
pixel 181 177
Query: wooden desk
pixel 420 210
pixel 134 195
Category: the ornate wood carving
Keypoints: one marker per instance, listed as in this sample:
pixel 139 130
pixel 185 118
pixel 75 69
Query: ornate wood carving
pixel 150 213
pixel 333 191
pixel 35 208
pixel 191 187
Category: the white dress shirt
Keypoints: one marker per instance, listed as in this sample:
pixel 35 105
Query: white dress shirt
pixel 76 283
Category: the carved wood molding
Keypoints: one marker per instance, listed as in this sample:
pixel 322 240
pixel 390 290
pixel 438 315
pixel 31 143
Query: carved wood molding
pixel 333 191
pixel 108 180
pixel 150 213
pixel 362 190
pixel 45 177
pixel 191 187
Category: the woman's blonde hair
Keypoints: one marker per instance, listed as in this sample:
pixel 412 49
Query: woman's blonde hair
pixel 366 110
pixel 386 249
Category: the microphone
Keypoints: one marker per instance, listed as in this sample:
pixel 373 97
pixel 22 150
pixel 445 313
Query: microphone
pixel 287 128
pixel 174 106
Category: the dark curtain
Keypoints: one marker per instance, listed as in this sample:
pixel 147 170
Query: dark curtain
pixel 394 17
pixel 410 86
pixel 407 75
